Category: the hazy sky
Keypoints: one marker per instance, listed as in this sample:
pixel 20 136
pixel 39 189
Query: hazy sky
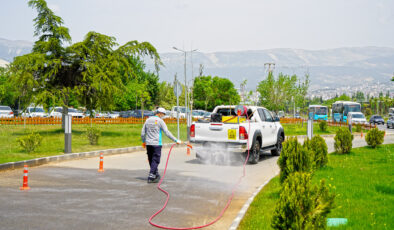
pixel 217 25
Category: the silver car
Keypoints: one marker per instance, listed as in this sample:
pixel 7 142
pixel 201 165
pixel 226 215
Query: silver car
pixel 6 112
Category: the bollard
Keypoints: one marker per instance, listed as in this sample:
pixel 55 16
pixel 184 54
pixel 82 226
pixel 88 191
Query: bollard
pixel 101 165
pixel 25 186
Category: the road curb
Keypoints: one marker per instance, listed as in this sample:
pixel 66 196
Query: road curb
pixel 71 156
pixel 245 207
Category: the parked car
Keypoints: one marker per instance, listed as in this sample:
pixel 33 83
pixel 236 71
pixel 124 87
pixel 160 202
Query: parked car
pixel 113 114
pixel 390 122
pixel 138 113
pixel 281 114
pixel 357 118
pixel 6 112
pixel 376 119
pixel 125 114
pixel 55 112
pixel 199 114
pixel 181 109
pixel 75 113
pixel 207 116
pixel 58 111
pixel 34 112
pixel 297 116
pixel 391 112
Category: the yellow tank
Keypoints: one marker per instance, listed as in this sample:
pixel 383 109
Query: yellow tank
pixel 232 119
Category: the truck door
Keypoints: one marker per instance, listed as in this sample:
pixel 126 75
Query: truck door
pixel 271 127
pixel 265 131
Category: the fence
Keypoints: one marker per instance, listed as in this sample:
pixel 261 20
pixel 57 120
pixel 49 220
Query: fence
pixel 329 122
pixel 85 120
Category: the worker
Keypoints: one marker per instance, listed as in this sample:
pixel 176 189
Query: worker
pixel 152 140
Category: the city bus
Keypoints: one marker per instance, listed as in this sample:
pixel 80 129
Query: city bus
pixel 340 109
pixel 320 112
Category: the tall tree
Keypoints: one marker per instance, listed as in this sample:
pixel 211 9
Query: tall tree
pixel 92 70
pixel 212 91
pixel 276 94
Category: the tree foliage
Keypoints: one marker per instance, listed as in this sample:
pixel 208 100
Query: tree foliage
pixel 209 92
pixel 302 205
pixel 276 94
pixel 374 137
pixel 92 71
pixel 343 140
pixel 294 158
pixel 318 147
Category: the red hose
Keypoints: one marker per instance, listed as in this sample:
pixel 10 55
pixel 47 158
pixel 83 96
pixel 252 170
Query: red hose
pixel 168 196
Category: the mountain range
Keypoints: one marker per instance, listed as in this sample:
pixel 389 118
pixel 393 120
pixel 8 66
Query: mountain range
pixel 326 68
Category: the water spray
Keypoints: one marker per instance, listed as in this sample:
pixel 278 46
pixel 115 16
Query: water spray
pixel 241 111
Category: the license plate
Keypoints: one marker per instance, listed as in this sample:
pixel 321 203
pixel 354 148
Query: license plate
pixel 232 134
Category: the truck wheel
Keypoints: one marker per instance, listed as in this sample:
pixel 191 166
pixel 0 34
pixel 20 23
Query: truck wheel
pixel 254 154
pixel 278 149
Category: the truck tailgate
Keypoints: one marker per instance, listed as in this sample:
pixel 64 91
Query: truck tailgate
pixel 216 132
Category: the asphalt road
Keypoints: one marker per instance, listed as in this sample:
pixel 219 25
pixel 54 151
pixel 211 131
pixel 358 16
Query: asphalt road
pixel 73 195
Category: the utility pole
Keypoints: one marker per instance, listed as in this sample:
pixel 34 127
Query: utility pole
pixel 269 64
pixel 176 89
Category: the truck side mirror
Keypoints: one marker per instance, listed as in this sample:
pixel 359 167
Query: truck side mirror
pixel 276 119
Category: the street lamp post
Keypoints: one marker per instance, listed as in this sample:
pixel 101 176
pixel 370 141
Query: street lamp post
pixel 186 91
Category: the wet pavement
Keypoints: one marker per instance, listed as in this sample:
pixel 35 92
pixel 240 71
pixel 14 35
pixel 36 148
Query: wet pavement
pixel 73 195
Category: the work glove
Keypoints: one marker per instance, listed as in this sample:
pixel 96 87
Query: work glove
pixel 178 142
pixel 144 145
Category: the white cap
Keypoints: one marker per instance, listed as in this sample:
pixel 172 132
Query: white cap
pixel 161 110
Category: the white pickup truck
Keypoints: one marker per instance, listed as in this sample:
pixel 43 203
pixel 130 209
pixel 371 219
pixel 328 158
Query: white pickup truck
pixel 231 131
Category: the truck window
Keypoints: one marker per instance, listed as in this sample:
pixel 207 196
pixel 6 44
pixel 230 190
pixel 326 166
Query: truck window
pixel 268 115
pixel 227 112
pixel 261 113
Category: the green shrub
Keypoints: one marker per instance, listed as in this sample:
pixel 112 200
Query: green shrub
pixel 358 128
pixel 30 142
pixel 374 137
pixel 302 205
pixel 323 126
pixel 368 112
pixel 343 140
pixel 93 135
pixel 294 158
pixel 318 146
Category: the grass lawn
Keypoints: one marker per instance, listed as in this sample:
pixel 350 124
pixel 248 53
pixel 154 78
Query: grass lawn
pixel 299 129
pixel 363 182
pixel 112 136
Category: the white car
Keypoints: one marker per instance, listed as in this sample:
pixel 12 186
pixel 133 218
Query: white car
pixel 262 131
pixel 58 111
pixel 199 114
pixel 34 112
pixel 357 118
pixel 6 112
pixel 55 112
pixel 113 114
pixel 181 109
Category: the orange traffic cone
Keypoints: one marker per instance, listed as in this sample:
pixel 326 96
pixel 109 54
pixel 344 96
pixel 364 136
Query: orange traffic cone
pixel 361 133
pixel 25 178
pixel 101 166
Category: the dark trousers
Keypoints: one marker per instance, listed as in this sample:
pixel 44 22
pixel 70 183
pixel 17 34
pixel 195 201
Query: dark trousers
pixel 154 155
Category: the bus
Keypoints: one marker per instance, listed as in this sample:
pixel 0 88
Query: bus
pixel 340 109
pixel 320 112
